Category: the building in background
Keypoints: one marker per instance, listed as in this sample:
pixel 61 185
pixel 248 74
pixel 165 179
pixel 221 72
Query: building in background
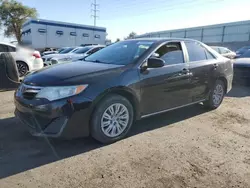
pixel 231 35
pixel 46 33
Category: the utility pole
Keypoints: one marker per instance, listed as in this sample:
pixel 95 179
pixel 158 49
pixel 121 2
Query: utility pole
pixel 95 10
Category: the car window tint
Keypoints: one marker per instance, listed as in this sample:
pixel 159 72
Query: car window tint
pixel 11 49
pixel 246 54
pixel 171 53
pixel 81 50
pixel 94 50
pixel 209 55
pixel 224 50
pixel 3 48
pixel 196 52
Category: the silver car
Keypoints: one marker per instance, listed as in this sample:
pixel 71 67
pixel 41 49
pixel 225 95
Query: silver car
pixel 78 54
pixel 224 52
pixel 47 58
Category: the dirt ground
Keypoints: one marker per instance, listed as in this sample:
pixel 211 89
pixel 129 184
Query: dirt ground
pixel 189 147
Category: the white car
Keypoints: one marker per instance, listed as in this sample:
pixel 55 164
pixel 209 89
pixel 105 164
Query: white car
pixel 224 52
pixel 27 60
pixel 76 55
pixel 47 58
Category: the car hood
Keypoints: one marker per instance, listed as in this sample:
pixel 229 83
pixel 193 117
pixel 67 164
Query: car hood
pixel 76 72
pixel 242 62
pixel 52 55
pixel 70 55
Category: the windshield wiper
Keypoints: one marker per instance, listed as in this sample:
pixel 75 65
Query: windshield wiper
pixel 96 61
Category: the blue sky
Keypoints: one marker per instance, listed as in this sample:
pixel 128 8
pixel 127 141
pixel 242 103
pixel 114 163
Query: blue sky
pixel 120 17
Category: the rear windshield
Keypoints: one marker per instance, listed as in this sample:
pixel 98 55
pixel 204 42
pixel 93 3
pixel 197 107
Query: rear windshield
pixel 82 50
pixel 67 50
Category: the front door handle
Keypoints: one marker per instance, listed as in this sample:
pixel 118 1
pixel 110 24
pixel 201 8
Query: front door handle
pixel 216 66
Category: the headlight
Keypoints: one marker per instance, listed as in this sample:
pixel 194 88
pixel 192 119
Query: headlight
pixel 48 59
pixel 55 93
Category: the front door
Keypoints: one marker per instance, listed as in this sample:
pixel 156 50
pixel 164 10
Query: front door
pixel 166 87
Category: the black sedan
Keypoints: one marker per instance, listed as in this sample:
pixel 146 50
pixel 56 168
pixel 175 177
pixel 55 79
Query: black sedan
pixel 242 69
pixel 105 93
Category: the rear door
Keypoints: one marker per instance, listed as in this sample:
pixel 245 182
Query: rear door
pixel 202 65
pixel 166 87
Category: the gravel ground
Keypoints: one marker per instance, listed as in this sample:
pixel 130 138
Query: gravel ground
pixel 189 147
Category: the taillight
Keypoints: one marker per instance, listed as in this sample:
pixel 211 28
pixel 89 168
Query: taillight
pixel 36 55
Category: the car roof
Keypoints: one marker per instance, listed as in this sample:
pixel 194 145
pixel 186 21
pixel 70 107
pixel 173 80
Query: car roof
pixel 8 44
pixel 163 39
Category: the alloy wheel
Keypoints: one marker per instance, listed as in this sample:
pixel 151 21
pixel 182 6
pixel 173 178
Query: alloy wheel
pixel 115 120
pixel 22 69
pixel 218 94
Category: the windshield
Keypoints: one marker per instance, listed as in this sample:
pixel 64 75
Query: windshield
pixel 246 54
pixel 82 50
pixel 120 53
pixel 67 50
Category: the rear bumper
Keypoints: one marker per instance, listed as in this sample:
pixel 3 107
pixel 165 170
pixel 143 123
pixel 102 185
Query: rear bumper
pixel 57 119
pixel 241 75
pixel 36 64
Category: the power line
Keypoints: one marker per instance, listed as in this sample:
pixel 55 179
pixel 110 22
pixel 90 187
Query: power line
pixel 94 10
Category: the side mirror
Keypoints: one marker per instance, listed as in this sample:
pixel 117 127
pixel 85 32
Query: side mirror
pixel 155 55
pixel 155 63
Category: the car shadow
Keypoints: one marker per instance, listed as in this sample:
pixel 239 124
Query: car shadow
pixel 19 151
pixel 239 91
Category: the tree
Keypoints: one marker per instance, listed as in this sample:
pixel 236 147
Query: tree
pixel 12 16
pixel 118 40
pixel 131 35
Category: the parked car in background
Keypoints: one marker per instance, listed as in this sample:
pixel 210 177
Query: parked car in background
pixel 47 58
pixel 242 69
pixel 48 51
pixel 76 55
pixel 224 52
pixel 104 94
pixel 27 59
pixel 241 51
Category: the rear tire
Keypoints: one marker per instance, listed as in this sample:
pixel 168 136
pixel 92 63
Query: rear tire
pixel 216 96
pixel 11 67
pixel 112 119
pixel 22 68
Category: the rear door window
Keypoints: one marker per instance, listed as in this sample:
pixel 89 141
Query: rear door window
pixel 11 49
pixel 3 48
pixel 197 52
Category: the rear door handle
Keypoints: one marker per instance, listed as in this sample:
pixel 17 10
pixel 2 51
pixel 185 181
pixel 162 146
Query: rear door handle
pixel 216 65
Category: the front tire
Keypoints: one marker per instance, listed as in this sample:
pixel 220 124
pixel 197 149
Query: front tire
pixel 112 119
pixel 216 96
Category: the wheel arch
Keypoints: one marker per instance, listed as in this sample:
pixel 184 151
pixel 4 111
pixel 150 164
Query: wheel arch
pixel 21 61
pixel 122 91
pixel 224 80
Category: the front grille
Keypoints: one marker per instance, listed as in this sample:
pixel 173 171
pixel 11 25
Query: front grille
pixel 29 92
pixel 54 61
